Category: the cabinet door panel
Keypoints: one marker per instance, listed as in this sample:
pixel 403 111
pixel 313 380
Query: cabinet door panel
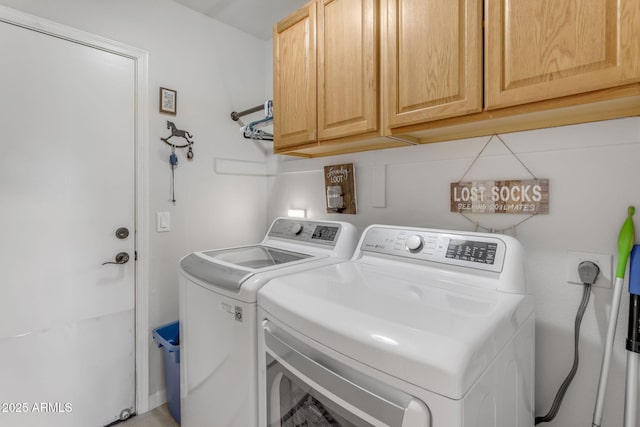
pixel 545 49
pixel 434 52
pixel 347 68
pixel 294 79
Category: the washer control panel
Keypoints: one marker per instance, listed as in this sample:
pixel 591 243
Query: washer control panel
pixel 474 250
pixel 305 231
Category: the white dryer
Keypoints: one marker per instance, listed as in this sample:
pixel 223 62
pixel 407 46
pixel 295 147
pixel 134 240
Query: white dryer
pixel 218 291
pixel 422 327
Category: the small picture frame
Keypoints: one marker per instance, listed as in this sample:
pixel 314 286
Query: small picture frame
pixel 168 101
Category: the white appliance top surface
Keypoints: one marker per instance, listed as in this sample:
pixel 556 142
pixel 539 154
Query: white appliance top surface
pixel 290 245
pixel 423 323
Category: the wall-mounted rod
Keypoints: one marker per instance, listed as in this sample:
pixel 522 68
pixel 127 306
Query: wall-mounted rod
pixel 235 116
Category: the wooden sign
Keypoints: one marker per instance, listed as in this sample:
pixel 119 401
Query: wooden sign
pixel 340 191
pixel 511 197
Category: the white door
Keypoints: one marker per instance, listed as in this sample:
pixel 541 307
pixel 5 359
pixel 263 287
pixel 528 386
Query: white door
pixel 67 162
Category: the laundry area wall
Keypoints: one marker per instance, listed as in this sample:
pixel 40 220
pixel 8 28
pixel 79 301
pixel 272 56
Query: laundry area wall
pixel 215 69
pixel 593 178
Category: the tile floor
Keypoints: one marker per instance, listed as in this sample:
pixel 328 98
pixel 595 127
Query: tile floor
pixel 159 417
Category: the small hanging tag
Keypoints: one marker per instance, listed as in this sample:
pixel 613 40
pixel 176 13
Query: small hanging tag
pixel 173 160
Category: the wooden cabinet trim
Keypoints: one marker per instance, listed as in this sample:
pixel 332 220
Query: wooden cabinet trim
pixel 294 18
pixel 604 104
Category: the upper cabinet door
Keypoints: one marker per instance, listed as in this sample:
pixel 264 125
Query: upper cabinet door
pixel 294 78
pixel 545 49
pixel 433 60
pixel 347 68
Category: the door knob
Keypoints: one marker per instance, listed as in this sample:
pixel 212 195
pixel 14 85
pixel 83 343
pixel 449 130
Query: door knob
pixel 122 233
pixel 121 258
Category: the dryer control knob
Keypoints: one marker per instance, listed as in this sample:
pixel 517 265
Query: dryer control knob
pixel 414 244
pixel 296 229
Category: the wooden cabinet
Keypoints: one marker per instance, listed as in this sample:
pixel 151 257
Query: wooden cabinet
pixel 326 84
pixel 347 68
pixel 356 75
pixel 545 49
pixel 546 63
pixel 433 61
pixel 294 79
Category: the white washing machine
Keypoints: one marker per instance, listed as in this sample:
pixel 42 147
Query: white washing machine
pixel 218 291
pixel 422 327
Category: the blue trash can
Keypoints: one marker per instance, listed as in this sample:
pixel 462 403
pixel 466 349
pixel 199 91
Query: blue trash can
pixel 168 337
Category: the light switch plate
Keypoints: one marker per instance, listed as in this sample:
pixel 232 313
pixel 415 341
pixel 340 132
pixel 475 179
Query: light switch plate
pixel 163 222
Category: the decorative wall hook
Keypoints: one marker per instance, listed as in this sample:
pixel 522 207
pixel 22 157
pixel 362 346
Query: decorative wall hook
pixel 180 134
pixel 173 158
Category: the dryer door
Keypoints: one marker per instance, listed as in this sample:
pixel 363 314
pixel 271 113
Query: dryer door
pixel 303 388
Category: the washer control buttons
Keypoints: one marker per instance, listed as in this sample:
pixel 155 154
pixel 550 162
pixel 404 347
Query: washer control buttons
pixel 414 243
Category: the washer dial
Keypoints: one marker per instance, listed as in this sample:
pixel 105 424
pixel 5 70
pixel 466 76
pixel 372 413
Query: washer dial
pixel 296 229
pixel 414 243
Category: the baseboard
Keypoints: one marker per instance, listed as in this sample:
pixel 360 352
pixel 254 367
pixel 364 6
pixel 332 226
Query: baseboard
pixel 157 399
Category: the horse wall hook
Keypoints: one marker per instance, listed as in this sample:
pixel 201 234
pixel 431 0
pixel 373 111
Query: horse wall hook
pixel 173 158
pixel 180 134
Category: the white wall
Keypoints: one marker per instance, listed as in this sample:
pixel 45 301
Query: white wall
pixel 215 69
pixel 594 175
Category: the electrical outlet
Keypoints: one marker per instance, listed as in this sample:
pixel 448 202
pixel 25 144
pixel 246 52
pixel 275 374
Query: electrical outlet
pixel 604 262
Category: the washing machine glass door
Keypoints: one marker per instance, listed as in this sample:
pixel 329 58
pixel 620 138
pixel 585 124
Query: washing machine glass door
pixel 294 403
pixel 303 391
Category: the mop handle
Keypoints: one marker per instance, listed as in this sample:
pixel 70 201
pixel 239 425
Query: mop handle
pixel 608 350
pixel 626 238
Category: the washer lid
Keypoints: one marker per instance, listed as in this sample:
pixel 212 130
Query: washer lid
pixel 229 268
pixel 255 257
pixel 421 327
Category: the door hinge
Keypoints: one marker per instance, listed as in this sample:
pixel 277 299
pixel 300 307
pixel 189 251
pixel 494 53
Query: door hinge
pixel 135 255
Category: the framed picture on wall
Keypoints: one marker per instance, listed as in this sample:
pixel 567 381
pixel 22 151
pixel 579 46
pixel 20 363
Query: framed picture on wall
pixel 168 101
pixel 339 183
